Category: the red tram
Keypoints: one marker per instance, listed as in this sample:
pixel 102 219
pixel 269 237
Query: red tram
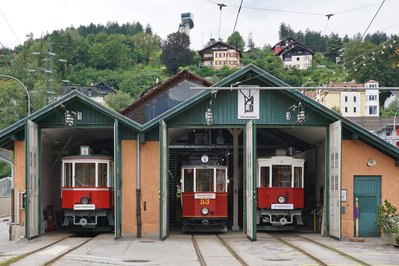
pixel 87 190
pixel 280 192
pixel 204 198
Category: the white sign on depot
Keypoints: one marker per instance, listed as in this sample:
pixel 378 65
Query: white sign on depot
pixel 248 103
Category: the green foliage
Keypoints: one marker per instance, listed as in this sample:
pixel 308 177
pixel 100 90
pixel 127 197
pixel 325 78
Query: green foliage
pixel 236 40
pixel 118 101
pixel 250 42
pixel 5 169
pixel 176 52
pixel 13 102
pixel 286 31
pixel 130 58
pixel 111 28
pixel 387 218
pixel 391 110
pixel 146 46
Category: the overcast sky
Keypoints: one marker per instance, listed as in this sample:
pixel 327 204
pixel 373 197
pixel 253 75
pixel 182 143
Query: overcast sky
pixel 21 17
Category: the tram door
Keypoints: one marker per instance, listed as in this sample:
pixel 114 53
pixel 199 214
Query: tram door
pixel 33 180
pixel 250 181
pixel 335 179
pixel 163 193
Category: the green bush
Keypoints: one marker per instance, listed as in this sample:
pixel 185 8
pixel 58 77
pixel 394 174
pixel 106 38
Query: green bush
pixel 387 218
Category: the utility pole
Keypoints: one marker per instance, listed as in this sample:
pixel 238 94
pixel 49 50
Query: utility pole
pixel 221 5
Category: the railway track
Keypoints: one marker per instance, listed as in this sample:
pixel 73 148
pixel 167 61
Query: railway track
pixel 316 251
pixel 211 252
pixel 53 252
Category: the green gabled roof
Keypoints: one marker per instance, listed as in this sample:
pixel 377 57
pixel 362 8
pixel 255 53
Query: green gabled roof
pixel 236 76
pixel 20 125
pixel 257 73
pixel 356 130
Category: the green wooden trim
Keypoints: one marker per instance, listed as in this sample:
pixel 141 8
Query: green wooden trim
pixel 117 181
pixel 160 180
pixel 244 180
pixel 26 179
pixel 73 94
pixel 327 181
pixel 254 196
pixel 39 178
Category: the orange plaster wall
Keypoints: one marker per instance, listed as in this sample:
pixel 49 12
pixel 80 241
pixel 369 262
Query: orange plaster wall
pixel 150 169
pixel 355 155
pixel 19 175
pixel 129 221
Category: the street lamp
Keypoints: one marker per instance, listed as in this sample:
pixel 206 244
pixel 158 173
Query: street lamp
pixel 20 82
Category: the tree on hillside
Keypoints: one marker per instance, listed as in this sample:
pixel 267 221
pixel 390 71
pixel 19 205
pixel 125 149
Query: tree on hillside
pixel 250 42
pixel 13 102
pixel 334 46
pixel 286 31
pixel 145 46
pixel 176 52
pixel 118 101
pixel 236 40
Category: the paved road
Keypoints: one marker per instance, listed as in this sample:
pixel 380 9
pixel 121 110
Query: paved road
pixel 180 249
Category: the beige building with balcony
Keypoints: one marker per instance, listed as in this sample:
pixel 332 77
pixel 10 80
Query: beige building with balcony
pixel 220 54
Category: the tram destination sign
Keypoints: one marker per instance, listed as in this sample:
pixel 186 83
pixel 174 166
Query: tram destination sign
pixel 84 207
pixel 204 196
pixel 282 206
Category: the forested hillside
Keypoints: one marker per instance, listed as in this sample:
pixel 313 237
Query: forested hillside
pixel 130 58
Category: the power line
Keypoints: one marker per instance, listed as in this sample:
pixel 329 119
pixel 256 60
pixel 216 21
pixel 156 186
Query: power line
pixel 356 8
pixel 9 25
pixel 372 19
pixel 238 13
pixel 221 5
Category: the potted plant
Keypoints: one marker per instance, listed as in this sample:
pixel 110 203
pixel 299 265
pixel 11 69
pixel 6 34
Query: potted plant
pixel 388 222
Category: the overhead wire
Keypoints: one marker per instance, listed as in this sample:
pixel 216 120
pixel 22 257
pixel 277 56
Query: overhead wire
pixel 9 25
pixel 371 22
pixel 238 13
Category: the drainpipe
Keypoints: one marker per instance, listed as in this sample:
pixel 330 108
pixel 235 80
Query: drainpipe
pixel 138 189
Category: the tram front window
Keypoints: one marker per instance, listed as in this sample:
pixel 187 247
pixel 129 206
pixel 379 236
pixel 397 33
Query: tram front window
pixel 221 180
pixel 102 174
pixel 188 180
pixel 298 177
pixel 68 175
pixel 85 174
pixel 204 182
pixel 281 175
pixel 264 177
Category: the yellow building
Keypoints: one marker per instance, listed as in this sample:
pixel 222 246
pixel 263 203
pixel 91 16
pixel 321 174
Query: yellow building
pixel 350 99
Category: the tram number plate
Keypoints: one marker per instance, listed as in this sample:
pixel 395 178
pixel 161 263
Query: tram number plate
pixel 204 201
pixel 78 207
pixel 282 206
pixel 204 196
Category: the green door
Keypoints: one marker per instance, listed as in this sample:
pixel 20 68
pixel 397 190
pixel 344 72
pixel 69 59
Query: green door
pixel 368 191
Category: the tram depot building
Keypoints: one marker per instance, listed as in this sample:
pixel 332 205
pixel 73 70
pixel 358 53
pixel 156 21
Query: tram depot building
pixel 182 120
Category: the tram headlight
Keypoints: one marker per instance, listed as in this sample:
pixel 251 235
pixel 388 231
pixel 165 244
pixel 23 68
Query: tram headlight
pixel 204 211
pixel 84 200
pixel 281 199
